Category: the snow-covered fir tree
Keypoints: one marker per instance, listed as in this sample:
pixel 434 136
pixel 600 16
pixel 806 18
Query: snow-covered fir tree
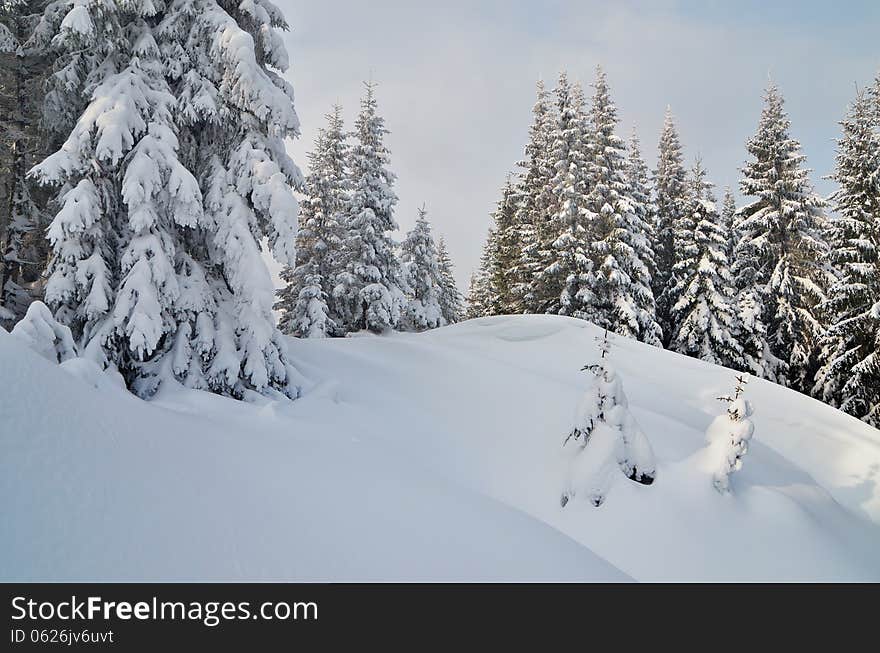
pixel 623 299
pixel 570 278
pixel 751 330
pixel 874 95
pixel 480 291
pixel 168 180
pixel 704 314
pixel 671 202
pixel 305 303
pixel 641 199
pixel 780 246
pixel 505 251
pixel 604 435
pixel 728 219
pixel 850 374
pixel 422 275
pixel 533 215
pixel 451 301
pixel 729 436
pixel 368 290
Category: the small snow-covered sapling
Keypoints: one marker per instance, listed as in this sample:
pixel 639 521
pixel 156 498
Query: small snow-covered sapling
pixel 738 431
pixel 604 435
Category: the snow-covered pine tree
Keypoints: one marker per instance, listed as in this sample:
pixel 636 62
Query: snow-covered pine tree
pixel 533 214
pixel 874 95
pixel 103 222
pixel 605 435
pixel 704 314
pixel 727 220
pixel 505 253
pixel 423 279
pixel 671 202
pixel 850 374
pixel 746 302
pixel 368 291
pixel 451 301
pixel 570 277
pixel 623 299
pixel 640 197
pixel 168 181
pixel 751 330
pixel 780 246
pixel 305 302
pixel 480 291
pixel 729 436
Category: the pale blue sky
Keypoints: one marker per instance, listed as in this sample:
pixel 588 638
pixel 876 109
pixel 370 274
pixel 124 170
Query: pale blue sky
pixel 456 82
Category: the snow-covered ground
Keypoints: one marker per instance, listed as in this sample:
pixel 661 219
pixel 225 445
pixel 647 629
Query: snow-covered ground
pixel 432 456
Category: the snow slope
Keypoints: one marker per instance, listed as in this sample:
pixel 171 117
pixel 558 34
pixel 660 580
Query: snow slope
pixel 432 456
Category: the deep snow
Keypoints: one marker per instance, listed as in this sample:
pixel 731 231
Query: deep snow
pixel 433 456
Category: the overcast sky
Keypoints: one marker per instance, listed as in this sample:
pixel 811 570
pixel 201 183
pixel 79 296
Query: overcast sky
pixel 456 82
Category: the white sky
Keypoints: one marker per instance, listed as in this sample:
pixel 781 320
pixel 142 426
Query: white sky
pixel 456 83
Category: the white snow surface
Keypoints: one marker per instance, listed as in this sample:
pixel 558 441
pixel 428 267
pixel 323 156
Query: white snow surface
pixel 431 456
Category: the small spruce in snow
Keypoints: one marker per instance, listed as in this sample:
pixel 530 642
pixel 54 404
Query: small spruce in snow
pixel 604 435
pixel 730 434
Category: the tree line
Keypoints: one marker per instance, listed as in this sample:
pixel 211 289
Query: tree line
pixel 785 287
pixel 142 170
pixel 349 273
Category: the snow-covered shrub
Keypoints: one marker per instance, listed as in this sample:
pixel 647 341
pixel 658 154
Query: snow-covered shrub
pixel 39 330
pixel 729 436
pixel 605 435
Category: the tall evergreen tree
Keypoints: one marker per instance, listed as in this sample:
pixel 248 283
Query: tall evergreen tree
pixel 624 302
pixel 728 218
pixel 505 253
pixel 850 374
pixel 168 180
pixel 570 278
pixel 368 291
pixel 640 197
pixel 480 291
pixel 874 95
pixel 746 302
pixel 305 302
pixel 780 245
pixel 533 214
pixel 422 274
pixel 451 301
pixel 704 315
pixel 671 201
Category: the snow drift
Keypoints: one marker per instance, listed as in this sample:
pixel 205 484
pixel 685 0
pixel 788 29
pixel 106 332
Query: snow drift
pixel 433 456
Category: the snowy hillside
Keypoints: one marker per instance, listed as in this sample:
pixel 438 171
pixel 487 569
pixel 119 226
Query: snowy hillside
pixel 432 456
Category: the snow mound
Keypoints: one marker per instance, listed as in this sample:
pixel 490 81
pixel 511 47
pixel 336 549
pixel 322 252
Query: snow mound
pixel 101 486
pixel 433 456
pixel 39 331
